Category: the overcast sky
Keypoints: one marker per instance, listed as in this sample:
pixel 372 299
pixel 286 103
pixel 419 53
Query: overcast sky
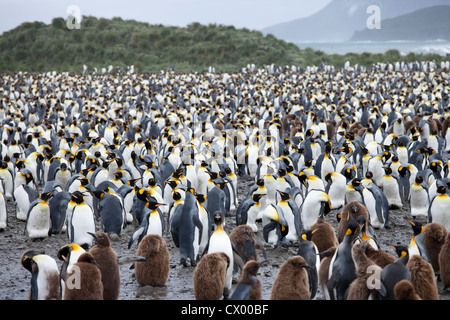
pixel 251 14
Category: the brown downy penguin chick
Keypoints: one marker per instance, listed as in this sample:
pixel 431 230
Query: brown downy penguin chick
pixel 326 257
pixel 434 239
pixel 248 287
pixel 422 278
pixel 155 271
pixel 444 263
pixel 84 280
pixel 356 209
pixel 107 259
pixel 363 287
pixel 243 239
pixel 209 276
pixel 292 281
pixel 404 290
pixel 324 237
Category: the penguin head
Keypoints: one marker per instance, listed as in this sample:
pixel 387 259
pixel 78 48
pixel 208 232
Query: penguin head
pixel 328 177
pixel 388 171
pixel 77 197
pixel 65 252
pixel 260 182
pixel 352 226
pixel 201 198
pixel 218 218
pixel 417 227
pixel 257 196
pixel 284 195
pixel 400 250
pixel 152 182
pixel 307 234
pixel 441 189
pixel 152 205
pixel 46 196
pixel 27 259
pixel 172 183
pixel 101 239
pixel 281 172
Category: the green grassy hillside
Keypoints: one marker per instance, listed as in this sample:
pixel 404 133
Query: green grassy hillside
pixel 39 47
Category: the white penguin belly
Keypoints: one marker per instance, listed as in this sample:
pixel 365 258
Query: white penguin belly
pixel 154 224
pixel 252 215
pixel 371 206
pixel 440 210
pixel 38 222
pixel 419 201
pixel 82 222
pixel 220 242
pixel 22 203
pixel 392 192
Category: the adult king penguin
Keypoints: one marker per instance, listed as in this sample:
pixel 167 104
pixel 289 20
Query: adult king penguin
pixel 220 242
pixel 38 223
pixel 316 202
pixel 44 271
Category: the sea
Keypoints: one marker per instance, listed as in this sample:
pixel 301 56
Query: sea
pixel 441 47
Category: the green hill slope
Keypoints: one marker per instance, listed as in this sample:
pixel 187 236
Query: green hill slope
pixel 101 42
pixel 40 47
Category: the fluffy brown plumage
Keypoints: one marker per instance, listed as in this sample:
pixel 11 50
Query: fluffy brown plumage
pixel 84 280
pixel 291 282
pixel 444 262
pixel 355 209
pixel 209 276
pixel 324 237
pixel 106 258
pixel 249 273
pixel 422 278
pixel 404 290
pixel 324 268
pixel 155 271
pixel 381 257
pixel 243 239
pixel 434 239
pixel 366 270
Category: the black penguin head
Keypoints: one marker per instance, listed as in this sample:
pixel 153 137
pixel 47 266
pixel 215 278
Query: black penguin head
pixel 152 182
pixel 418 180
pixel 152 205
pixel 46 196
pixel 176 196
pixel 260 182
pixel 351 227
pixel 307 234
pixel 441 189
pixel 257 196
pixel 201 198
pixel 27 258
pixel 77 197
pixel 328 177
pixel 218 218
pixel 388 170
pixel 401 250
pixel 281 172
pixel 416 226
pixel 172 183
pixel 284 195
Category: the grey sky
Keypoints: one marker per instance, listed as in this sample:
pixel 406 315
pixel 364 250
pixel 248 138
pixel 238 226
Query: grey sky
pixel 251 14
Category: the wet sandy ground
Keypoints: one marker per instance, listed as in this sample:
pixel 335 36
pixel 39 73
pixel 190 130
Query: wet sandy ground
pixel 15 280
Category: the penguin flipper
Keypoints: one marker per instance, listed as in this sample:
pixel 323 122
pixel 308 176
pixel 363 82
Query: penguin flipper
pixel 237 257
pixel 333 281
pixel 241 292
pixel 138 233
pixel 267 228
pixel 199 225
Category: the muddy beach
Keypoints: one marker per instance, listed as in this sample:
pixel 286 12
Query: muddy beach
pixel 15 280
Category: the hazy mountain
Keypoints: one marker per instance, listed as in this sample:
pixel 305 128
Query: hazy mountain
pixel 425 24
pixel 340 19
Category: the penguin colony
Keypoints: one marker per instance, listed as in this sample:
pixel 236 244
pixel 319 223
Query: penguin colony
pixel 163 154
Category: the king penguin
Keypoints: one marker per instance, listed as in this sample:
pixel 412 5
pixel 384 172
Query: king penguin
pixel 44 271
pixel 220 242
pixel 249 287
pixel 155 270
pixel 316 202
pixel 38 223
pixel 84 280
pixel 392 188
pixel 291 282
pixel 417 244
pixel 420 200
pixel 336 185
pixel 275 226
pixel 393 273
pixel 438 210
pixel 152 223
pixel 308 250
pixel 342 270
pixel 248 211
pixel 106 257
pixel 291 213
pixel 80 221
pixel 210 275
